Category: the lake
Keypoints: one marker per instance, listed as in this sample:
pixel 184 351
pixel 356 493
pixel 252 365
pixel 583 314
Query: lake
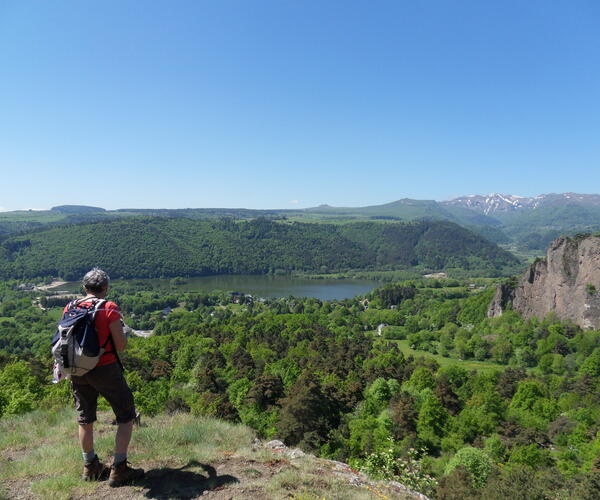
pixel 261 286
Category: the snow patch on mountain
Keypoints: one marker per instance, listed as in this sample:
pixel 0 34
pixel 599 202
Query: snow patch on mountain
pixel 498 202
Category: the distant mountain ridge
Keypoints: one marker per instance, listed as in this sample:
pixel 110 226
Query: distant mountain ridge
pixel 527 223
pixel 520 222
pixel 494 203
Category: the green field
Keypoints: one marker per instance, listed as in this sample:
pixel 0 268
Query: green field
pixel 480 366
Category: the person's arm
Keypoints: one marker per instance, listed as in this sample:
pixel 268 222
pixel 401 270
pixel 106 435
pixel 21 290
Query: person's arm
pixel 118 335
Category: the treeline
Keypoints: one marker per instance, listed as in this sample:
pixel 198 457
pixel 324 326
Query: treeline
pixel 317 375
pixel 164 247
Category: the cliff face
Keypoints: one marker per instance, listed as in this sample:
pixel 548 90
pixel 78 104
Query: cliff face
pixel 566 283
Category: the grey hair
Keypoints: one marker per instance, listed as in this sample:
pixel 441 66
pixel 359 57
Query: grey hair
pixel 95 280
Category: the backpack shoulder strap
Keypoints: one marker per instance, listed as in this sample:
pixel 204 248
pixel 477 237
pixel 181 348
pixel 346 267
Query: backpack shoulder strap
pixel 74 303
pixel 97 305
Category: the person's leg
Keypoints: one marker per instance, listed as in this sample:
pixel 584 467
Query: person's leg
pixel 86 400
pixel 118 394
pixel 86 437
pixel 122 440
pixel 115 390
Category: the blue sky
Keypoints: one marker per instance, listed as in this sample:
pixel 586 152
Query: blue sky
pixel 277 104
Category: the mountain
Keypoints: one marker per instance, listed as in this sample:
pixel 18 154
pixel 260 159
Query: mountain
pixel 406 209
pixel 159 246
pixel 497 205
pixel 490 204
pixel 566 282
pixel 76 209
pixel 532 223
pixel 524 223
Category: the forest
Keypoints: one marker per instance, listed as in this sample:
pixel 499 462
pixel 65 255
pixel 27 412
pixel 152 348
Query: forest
pixel 411 382
pixel 150 247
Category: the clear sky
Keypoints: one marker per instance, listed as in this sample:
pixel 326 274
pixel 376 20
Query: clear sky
pixel 282 104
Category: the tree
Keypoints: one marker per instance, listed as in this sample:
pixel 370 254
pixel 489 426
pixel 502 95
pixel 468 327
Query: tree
pixel 307 414
pixel 266 391
pixel 404 414
pixel 508 380
pixel 591 366
pixel 445 393
pixel 422 378
pixel 527 394
pixel 431 422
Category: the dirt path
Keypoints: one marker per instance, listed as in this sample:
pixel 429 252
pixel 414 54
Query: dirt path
pixel 45 288
pixel 232 478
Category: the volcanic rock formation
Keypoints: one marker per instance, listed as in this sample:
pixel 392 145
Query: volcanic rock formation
pixel 566 282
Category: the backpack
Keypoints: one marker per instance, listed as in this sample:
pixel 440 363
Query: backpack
pixel 75 346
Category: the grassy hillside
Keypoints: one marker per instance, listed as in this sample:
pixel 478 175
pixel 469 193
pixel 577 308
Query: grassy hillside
pixel 184 457
pixel 155 247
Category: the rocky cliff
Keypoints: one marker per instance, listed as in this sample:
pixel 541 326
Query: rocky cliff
pixel 566 282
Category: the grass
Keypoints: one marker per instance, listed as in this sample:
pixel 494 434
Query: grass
pixel 40 449
pixel 307 483
pixel 184 456
pixel 404 346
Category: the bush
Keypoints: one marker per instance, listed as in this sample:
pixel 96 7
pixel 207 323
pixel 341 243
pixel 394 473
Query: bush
pixel 390 465
pixel 477 462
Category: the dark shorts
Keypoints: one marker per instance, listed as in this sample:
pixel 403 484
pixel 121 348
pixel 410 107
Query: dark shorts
pixel 108 381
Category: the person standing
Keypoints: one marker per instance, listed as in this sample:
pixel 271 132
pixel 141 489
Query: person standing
pixel 105 379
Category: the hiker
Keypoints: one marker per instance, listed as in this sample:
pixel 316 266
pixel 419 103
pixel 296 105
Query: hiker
pixel 107 379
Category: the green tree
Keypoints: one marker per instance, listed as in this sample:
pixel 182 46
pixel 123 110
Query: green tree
pixel 431 423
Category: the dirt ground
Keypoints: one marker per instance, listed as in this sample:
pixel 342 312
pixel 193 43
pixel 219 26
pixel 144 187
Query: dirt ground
pixel 233 478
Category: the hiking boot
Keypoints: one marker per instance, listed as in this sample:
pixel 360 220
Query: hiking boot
pixel 122 474
pixel 93 470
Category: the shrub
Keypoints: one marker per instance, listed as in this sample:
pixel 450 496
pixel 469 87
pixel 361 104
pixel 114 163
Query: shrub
pixel 531 455
pixel 390 465
pixel 477 462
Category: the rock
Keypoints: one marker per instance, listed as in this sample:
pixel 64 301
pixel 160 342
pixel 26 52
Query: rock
pixel 502 298
pixel 275 444
pixel 401 487
pixel 566 283
pixel 355 480
pixel 340 465
pixel 295 453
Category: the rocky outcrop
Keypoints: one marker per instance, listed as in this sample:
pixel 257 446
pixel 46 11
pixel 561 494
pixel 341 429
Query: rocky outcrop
pixel 566 282
pixel 342 471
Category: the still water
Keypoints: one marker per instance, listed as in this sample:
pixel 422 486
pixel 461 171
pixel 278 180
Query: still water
pixel 261 286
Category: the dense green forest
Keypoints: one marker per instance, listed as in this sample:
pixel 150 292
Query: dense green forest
pixel 156 247
pixel 411 382
pixel 525 229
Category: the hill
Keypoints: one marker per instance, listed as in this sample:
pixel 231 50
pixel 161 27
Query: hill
pixel 76 209
pixel 155 247
pixel 526 223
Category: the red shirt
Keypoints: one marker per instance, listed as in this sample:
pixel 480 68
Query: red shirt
pixel 108 313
